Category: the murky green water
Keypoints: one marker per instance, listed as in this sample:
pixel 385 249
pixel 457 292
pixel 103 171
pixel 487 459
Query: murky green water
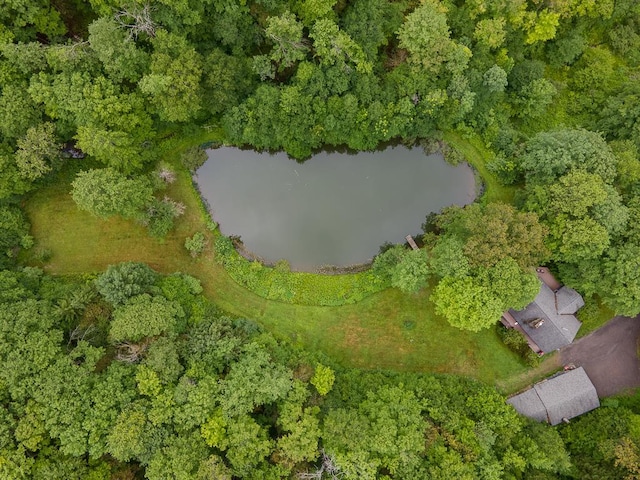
pixel 336 208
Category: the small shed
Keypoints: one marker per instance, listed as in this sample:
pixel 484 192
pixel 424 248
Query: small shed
pixel 558 398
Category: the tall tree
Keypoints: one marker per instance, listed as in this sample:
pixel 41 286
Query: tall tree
pixel 173 81
pixel 106 192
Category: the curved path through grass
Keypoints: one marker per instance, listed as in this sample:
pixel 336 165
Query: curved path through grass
pixel 387 330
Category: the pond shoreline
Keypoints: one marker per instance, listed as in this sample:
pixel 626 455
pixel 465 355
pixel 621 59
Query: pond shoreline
pixel 328 208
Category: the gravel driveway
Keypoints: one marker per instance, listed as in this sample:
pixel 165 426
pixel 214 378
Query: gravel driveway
pixel 608 355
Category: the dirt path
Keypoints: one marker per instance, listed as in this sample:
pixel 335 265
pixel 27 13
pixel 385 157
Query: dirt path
pixel 609 356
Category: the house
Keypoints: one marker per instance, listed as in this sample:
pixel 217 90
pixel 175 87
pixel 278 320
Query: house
pixel 549 322
pixel 559 398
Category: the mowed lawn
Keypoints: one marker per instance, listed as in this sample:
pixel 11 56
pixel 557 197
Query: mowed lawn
pixel 389 330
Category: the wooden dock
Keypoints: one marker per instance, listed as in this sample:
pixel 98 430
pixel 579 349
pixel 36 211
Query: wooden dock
pixel 412 242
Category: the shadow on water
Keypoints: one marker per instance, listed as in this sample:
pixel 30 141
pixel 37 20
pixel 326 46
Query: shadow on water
pixel 336 208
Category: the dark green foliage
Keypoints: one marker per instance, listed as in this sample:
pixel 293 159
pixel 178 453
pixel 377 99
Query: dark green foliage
pixel 193 158
pixel 160 215
pixel 125 280
pixel 549 155
pixel 516 342
pixel 14 234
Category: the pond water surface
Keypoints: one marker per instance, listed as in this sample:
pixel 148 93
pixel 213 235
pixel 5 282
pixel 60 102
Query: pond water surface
pixel 336 208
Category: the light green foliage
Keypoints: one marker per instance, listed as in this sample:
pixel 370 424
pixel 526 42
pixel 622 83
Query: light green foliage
pixel 540 26
pixel 37 150
pixel 111 123
pixel 301 424
pixel 296 287
pixel 628 166
pixel 583 214
pixel 466 303
pixel 411 272
pixel 248 444
pixel 384 432
pixel 110 147
pixel 125 280
pixel 105 192
pixel 447 258
pixel 509 283
pixel 286 34
pixel 490 32
pixel 323 378
pixel 180 457
pixel 405 269
pixel 145 316
pixel 196 244
pixel 214 431
pixel 126 439
pixel 172 83
pixel 25 18
pixel 336 47
pixel 582 239
pixel 426 36
pixel 312 10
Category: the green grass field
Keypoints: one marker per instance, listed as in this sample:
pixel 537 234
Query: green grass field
pixel 388 330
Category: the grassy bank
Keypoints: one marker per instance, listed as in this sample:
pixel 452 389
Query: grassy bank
pixel 478 157
pixel 388 329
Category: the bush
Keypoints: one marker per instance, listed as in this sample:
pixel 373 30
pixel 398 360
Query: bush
pixel 516 342
pixel 160 215
pixel 295 287
pixel 124 280
pixel 196 244
pixel 193 158
pixel 14 234
pixel 105 192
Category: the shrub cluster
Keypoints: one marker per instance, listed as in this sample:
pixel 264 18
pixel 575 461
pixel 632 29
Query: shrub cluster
pixel 296 287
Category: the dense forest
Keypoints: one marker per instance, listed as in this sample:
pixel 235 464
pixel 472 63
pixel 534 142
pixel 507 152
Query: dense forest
pixel 550 87
pixel 129 374
pixel 133 373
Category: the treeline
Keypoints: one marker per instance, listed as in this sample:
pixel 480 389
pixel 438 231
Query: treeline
pixel 131 374
pixel 111 80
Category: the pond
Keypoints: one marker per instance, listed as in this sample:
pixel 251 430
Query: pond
pixel 336 208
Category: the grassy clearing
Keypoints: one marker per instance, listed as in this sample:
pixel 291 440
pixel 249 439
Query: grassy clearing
pixel 517 383
pixel 386 330
pixel 479 156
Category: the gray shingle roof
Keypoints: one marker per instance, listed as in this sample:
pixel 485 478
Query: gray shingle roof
pixel 558 329
pixel 569 301
pixel 564 396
